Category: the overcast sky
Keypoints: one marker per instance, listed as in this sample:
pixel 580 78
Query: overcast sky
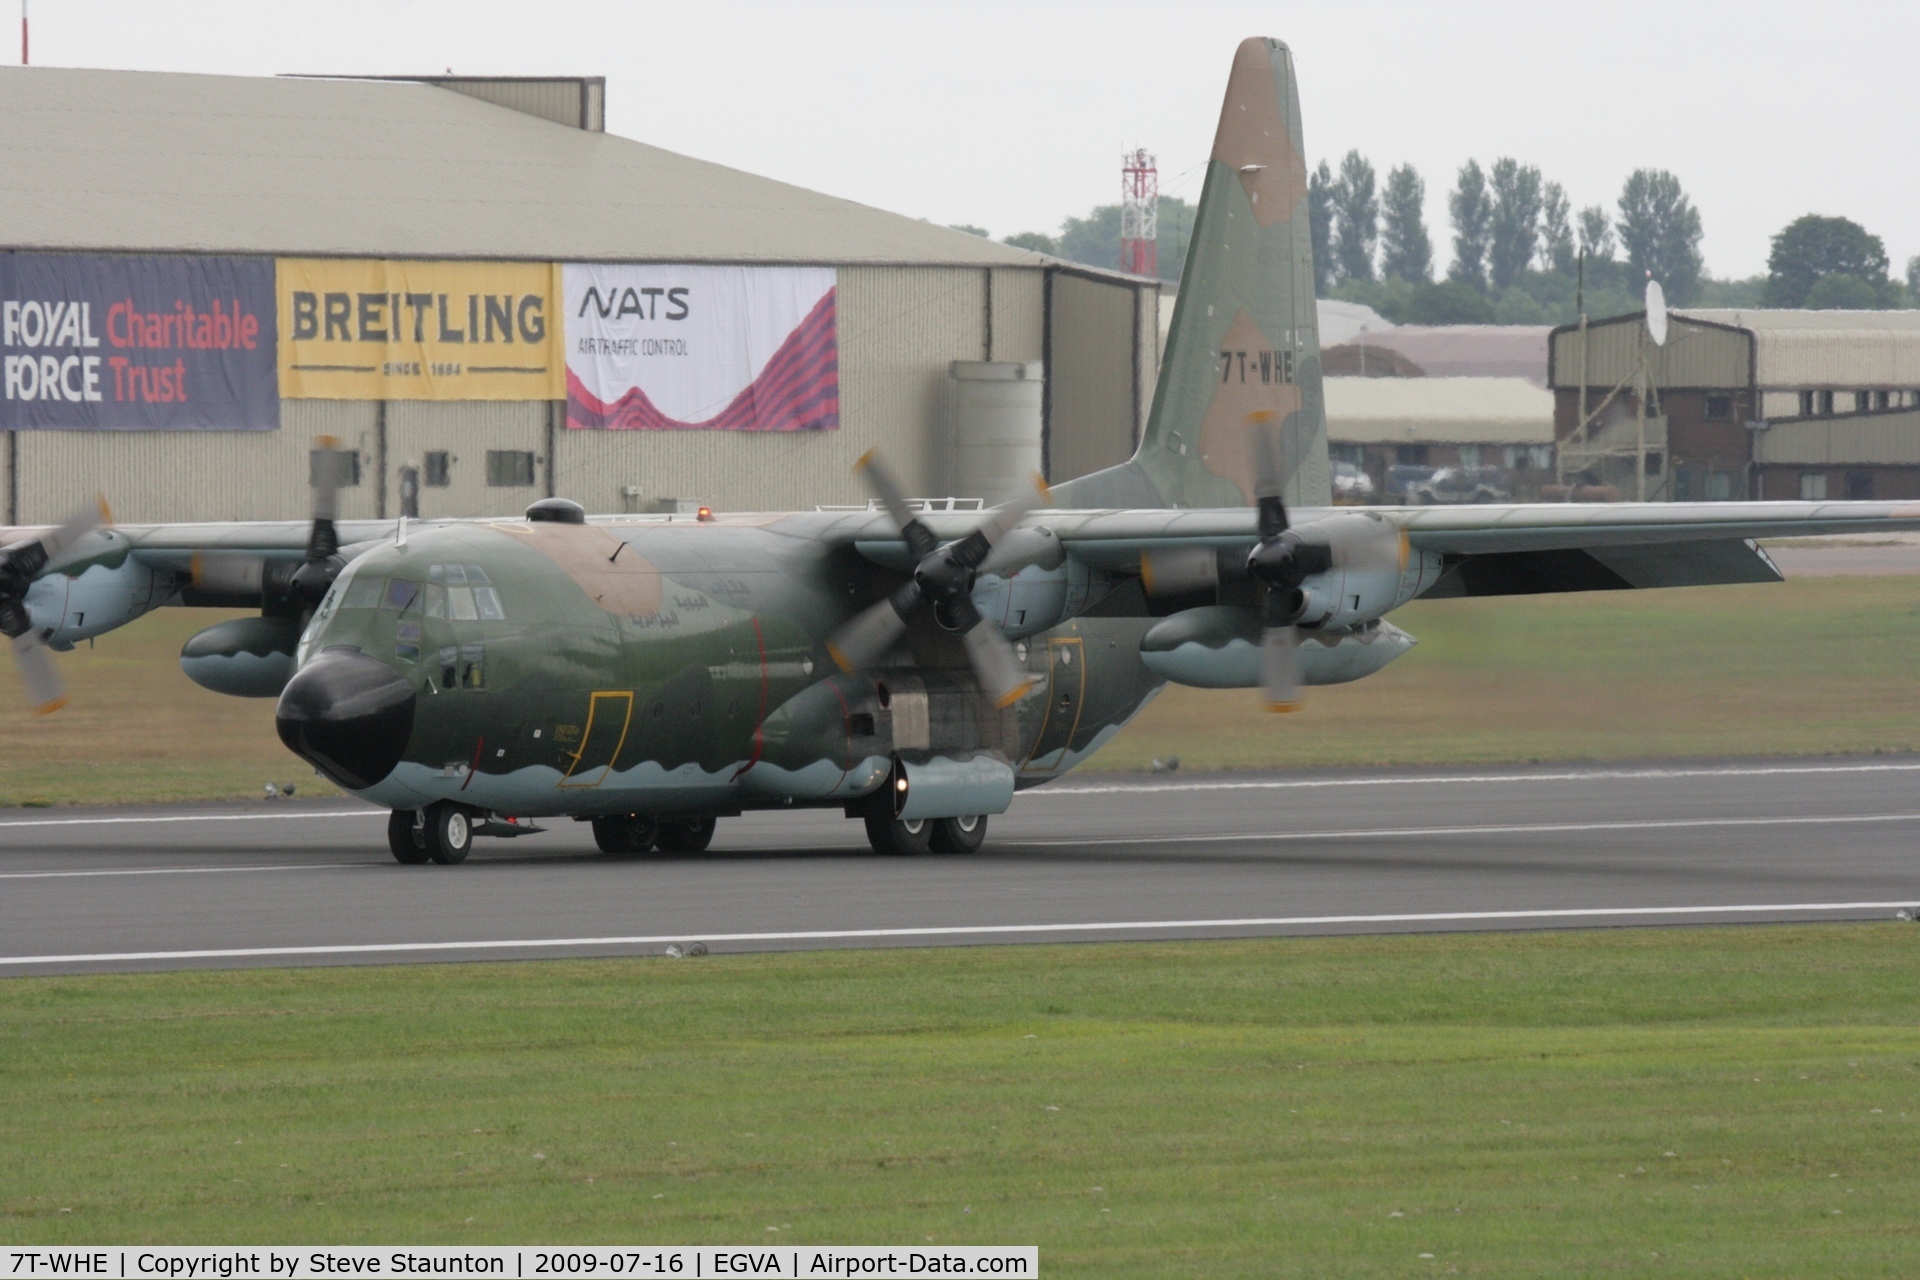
pixel 1012 116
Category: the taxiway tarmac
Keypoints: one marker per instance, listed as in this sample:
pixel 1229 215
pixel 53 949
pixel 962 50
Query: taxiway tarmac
pixel 1094 857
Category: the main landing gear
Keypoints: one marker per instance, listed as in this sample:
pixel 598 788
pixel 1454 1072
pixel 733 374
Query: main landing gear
pixel 636 833
pixel 906 836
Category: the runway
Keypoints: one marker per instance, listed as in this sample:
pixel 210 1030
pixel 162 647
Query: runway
pixel 1094 857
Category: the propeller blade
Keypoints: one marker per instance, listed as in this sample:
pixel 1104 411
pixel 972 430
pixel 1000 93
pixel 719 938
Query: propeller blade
pixel 872 631
pixel 78 526
pixel 1280 667
pixel 46 691
pixel 920 539
pixel 328 471
pixel 1001 676
pixel 1268 480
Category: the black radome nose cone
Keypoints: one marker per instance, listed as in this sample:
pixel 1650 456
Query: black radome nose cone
pixel 348 715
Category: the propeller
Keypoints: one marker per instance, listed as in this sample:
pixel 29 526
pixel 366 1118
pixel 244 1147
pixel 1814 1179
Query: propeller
pixel 20 564
pixel 1280 562
pixel 942 580
pixel 323 562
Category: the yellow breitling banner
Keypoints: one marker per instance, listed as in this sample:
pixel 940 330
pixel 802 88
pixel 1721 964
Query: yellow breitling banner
pixel 366 329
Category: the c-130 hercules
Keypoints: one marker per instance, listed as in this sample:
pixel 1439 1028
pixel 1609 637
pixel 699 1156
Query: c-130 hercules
pixel 915 670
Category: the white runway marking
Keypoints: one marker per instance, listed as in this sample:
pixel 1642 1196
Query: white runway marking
pixel 962 931
pixel 176 871
pixel 1580 775
pixel 1521 828
pixel 193 817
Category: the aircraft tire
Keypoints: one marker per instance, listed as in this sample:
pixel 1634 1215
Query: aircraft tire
pixel 959 835
pixel 449 833
pixel 896 838
pixel 625 833
pixel 407 837
pixel 685 835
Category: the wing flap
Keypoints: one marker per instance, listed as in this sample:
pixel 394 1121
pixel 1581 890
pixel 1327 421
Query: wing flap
pixel 1706 563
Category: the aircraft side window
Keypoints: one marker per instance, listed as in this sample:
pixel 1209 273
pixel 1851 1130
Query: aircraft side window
pixel 436 599
pixel 401 593
pixel 363 593
pixel 406 642
pixel 449 668
pixel 486 601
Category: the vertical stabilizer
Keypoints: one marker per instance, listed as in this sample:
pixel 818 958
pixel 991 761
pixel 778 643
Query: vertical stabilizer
pixel 1244 335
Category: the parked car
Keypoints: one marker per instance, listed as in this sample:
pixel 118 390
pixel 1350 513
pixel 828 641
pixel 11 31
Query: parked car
pixel 1351 484
pixel 1464 484
pixel 1404 477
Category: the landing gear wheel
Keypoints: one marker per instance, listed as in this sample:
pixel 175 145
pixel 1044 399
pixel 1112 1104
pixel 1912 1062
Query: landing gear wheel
pixel 899 837
pixel 407 836
pixel 449 833
pixel 959 835
pixel 627 833
pixel 685 835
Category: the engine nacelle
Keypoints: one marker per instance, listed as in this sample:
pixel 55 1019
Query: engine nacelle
pixel 1039 597
pixel 950 786
pixel 110 592
pixel 243 657
pixel 1218 647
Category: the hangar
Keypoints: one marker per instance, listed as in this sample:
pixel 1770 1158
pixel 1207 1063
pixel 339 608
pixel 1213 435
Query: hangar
pixel 459 179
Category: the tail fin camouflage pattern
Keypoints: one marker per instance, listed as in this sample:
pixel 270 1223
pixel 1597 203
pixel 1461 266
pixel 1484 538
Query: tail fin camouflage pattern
pixel 1244 335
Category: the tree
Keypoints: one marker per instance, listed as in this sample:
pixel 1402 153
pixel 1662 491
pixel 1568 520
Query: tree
pixel 1449 302
pixel 1320 223
pixel 969 228
pixel 1556 234
pixel 1038 241
pixel 1094 239
pixel 1811 249
pixel 1470 213
pixel 1660 230
pixel 1913 279
pixel 1406 252
pixel 1356 217
pixel 1596 234
pixel 1841 292
pixel 1514 227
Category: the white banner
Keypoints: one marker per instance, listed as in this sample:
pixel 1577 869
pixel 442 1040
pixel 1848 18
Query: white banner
pixel 722 348
pixel 515 1262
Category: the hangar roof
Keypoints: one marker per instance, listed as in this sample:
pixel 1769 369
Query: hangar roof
pixel 1438 411
pixel 160 161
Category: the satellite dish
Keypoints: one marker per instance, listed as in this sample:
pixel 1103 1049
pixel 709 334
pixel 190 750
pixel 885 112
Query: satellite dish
pixel 1656 314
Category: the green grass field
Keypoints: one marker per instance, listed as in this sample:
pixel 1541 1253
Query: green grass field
pixel 1705 1102
pixel 1810 666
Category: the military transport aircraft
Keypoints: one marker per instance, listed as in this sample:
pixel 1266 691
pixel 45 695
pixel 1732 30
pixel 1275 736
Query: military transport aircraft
pixel 914 669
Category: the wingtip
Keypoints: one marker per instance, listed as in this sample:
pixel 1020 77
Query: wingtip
pixel 106 511
pixel 865 460
pixel 326 442
pixel 1283 708
pixel 839 658
pixel 1041 487
pixel 48 708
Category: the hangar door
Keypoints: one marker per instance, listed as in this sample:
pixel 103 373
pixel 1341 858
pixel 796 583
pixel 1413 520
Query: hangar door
pixel 1101 362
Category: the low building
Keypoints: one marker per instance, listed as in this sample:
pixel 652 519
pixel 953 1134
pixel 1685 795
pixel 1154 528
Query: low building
pixel 1742 404
pixel 1401 430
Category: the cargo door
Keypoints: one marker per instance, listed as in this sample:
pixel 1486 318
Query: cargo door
pixel 608 715
pixel 1066 686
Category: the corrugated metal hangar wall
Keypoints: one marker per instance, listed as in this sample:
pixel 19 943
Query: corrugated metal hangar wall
pixel 912 300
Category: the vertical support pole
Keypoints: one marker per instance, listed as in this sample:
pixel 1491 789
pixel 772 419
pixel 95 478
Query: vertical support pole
pixel 986 318
pixel 554 409
pixel 380 459
pixel 13 477
pixel 1640 426
pixel 1140 296
pixel 1046 374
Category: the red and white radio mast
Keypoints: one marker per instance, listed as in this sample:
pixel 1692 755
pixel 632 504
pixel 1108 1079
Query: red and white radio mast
pixel 1139 213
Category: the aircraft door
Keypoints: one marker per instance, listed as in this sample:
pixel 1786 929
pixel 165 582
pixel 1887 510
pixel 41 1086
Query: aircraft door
pixel 608 716
pixel 1066 690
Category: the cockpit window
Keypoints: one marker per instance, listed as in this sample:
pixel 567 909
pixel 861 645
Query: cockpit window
pixel 363 593
pixel 457 591
pixel 487 602
pixel 401 594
